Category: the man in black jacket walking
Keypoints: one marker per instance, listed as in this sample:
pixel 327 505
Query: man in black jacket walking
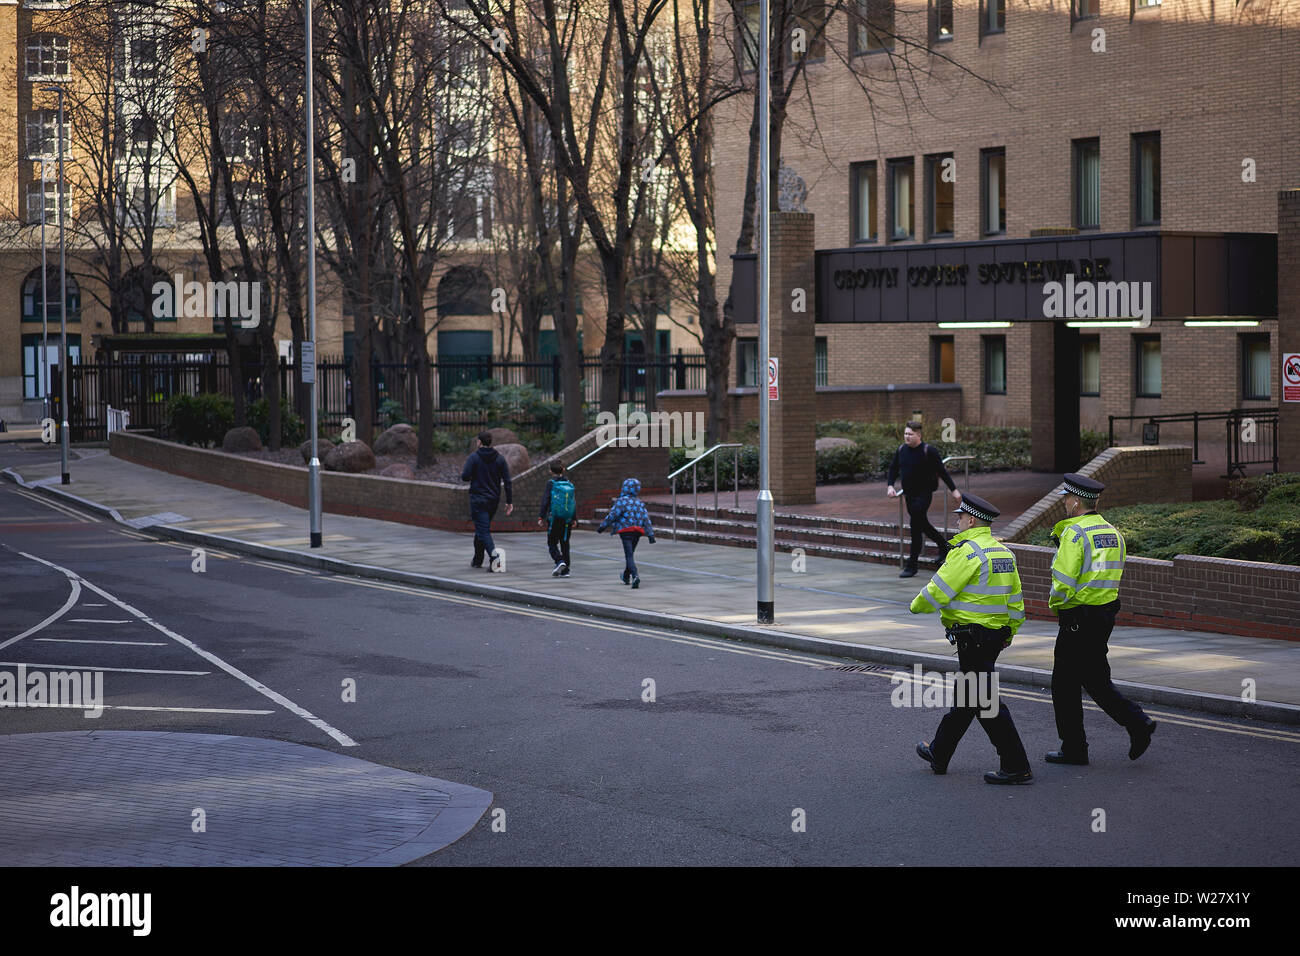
pixel 920 467
pixel 486 471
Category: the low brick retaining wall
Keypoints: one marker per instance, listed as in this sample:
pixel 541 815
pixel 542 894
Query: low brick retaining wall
pixel 427 504
pixel 1188 593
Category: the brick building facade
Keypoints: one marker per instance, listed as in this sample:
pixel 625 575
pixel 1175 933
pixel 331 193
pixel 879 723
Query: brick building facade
pixel 1178 118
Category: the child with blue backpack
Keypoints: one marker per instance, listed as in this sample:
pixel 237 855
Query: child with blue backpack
pixel 560 505
pixel 629 519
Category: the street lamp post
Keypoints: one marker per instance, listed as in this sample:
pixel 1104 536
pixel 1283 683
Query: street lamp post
pixel 45 296
pixel 63 295
pixel 313 468
pixel 766 539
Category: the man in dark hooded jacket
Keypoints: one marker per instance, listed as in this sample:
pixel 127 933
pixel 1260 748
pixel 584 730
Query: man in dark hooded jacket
pixel 486 471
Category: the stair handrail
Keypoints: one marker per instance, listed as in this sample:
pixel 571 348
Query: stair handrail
pixel 598 448
pixel 694 466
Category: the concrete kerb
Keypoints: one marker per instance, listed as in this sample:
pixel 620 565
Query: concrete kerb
pixel 767 636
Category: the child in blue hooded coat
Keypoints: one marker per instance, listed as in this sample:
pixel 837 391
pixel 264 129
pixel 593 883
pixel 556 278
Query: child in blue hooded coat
pixel 629 519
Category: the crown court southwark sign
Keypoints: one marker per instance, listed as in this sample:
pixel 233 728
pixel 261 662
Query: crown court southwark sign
pixel 1190 274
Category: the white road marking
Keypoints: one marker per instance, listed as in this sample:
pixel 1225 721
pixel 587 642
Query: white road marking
pixel 68 605
pixel 73 640
pixel 186 710
pixel 98 667
pixel 230 669
pixel 56 506
pixel 94 620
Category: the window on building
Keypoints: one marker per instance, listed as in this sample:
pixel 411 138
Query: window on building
pixel 1146 179
pixel 862 202
pixel 38 375
pixel 142 58
pixel 993 16
pixel 149 205
pixel 144 137
pixel 902 213
pixel 943 368
pixel 811 16
pixel 1087 183
pixel 1142 4
pixel 47 57
pixel 747 363
pixel 45 197
pixel 1084 10
pixel 1090 365
pixel 822 375
pixel 871 26
pixel 747 36
pixel 43 134
pixel 1146 349
pixel 994 191
pixel 995 364
pixel 941 176
pixel 941 20
pixel 1256 367
pixel 236 137
pixel 33 295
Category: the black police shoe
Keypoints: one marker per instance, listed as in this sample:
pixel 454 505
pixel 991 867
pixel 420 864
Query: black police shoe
pixel 1064 756
pixel 1139 739
pixel 907 573
pixel 1002 776
pixel 925 753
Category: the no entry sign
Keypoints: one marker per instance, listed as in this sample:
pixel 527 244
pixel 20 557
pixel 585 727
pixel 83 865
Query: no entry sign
pixel 1291 377
pixel 773 378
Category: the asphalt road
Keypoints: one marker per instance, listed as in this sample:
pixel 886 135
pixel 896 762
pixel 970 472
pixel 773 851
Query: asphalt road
pixel 547 711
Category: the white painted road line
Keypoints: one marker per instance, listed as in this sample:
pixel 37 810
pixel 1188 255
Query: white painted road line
pixel 185 710
pixel 67 606
pixel 97 667
pixel 230 669
pixel 95 620
pixel 73 640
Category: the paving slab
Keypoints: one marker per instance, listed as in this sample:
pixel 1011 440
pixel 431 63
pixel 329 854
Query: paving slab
pixel 126 798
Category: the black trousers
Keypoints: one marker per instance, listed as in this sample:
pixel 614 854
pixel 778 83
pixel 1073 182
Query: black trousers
pixel 918 507
pixel 1080 664
pixel 557 539
pixel 977 650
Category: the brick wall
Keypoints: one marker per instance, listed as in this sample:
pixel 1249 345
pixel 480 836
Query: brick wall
pixel 855 403
pixel 1288 310
pixel 427 504
pixel 794 418
pixel 1188 593
pixel 1143 474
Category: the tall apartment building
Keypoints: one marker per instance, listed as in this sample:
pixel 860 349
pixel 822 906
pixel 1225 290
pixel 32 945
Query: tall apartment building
pixel 959 154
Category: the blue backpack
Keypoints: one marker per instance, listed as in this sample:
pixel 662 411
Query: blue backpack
pixel 564 503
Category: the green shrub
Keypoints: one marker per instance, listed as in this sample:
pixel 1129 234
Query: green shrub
pixel 1251 492
pixel 292 430
pixel 845 461
pixel 392 413
pixel 1091 444
pixel 1250 544
pixel 200 419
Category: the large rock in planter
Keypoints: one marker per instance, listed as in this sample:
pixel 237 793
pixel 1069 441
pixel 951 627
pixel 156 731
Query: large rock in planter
pixel 500 436
pixel 399 441
pixel 516 456
pixel 351 456
pixel 323 445
pixel 399 470
pixel 826 444
pixel 241 439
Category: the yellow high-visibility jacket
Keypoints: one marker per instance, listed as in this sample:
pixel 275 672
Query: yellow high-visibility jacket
pixel 977 584
pixel 1089 562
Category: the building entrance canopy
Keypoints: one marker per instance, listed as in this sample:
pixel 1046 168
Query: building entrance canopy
pixel 1115 275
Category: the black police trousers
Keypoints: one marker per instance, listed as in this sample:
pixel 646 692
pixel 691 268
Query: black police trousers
pixel 1080 663
pixel 977 649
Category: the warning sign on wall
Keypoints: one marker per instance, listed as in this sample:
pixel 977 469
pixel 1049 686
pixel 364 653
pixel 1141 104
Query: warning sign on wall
pixel 773 392
pixel 1291 377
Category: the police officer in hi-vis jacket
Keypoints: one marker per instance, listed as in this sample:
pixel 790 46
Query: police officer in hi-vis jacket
pixel 1085 595
pixel 977 594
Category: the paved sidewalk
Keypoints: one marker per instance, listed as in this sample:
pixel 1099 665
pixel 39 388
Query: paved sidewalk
pixel 136 798
pixel 844 601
